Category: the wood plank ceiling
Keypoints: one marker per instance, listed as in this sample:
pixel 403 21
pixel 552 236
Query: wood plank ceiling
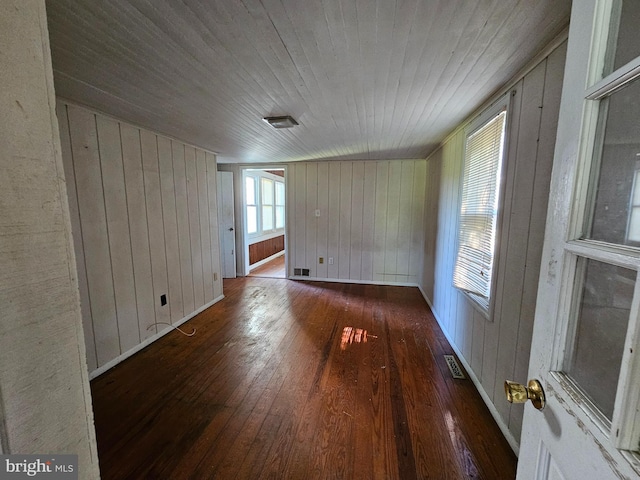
pixel 365 79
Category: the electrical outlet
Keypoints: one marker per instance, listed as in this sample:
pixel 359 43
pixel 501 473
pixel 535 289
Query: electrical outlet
pixel 330 260
pixel 215 276
pixel 321 260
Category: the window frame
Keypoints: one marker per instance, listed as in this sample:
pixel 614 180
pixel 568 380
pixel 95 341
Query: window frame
pixel 247 205
pixel 502 104
pixel 278 206
pixel 258 177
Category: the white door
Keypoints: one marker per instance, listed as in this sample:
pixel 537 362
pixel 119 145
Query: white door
pixel 586 340
pixel 226 224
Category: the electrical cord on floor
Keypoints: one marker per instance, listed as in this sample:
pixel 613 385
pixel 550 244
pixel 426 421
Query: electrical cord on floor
pixel 174 327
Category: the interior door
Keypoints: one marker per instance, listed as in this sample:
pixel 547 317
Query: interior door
pixel 226 224
pixel 586 334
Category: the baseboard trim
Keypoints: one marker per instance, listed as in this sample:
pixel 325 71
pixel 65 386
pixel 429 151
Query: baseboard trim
pixel 359 282
pixel 513 443
pixel 112 363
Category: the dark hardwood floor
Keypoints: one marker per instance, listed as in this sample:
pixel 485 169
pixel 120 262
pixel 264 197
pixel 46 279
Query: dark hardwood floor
pixel 272 269
pixel 298 380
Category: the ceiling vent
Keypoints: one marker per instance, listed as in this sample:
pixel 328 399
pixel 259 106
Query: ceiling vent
pixel 281 122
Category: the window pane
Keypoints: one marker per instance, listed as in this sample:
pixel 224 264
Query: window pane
pixel 250 190
pixel 612 218
pixel 478 210
pixel 267 191
pixel 267 217
pixel 279 217
pixel 624 39
pixel 600 332
pixel 252 219
pixel 279 193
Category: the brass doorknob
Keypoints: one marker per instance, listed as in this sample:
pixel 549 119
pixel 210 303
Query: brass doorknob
pixel 517 393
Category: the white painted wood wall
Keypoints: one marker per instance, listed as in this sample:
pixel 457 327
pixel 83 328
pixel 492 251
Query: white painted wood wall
pixel 371 219
pixel 497 350
pixel 45 399
pixel 144 219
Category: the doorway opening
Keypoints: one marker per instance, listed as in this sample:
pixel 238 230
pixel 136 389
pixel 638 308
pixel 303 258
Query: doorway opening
pixel 265 221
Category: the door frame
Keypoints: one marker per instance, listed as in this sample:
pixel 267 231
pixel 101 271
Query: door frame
pixel 241 221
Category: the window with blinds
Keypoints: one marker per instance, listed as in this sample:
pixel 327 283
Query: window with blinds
pixel 479 210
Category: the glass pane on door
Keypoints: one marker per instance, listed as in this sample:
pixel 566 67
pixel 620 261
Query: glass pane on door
pixel 601 326
pixel 623 42
pixel 615 214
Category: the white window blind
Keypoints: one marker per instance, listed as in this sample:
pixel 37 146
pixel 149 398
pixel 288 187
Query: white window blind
pixel 479 209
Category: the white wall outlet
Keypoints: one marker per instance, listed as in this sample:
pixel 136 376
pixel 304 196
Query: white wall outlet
pixel 317 213
pixel 330 260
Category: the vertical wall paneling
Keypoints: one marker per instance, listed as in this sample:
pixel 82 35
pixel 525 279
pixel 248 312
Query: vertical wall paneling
pixel 514 252
pixel 290 215
pixel 355 227
pixel 210 160
pixel 427 260
pixel 170 219
pixel 194 224
pixel 405 221
pixel 144 222
pixel 380 220
pixel 344 219
pixel 300 217
pixel 392 237
pixel 84 147
pixel 74 213
pixel 323 220
pixel 153 198
pixel 540 196
pixel 311 237
pixel 333 213
pixel 368 219
pixel 184 237
pixel 205 233
pixel 416 221
pixel 497 349
pixel 115 201
pixel 139 227
pixel 45 403
pixel 477 342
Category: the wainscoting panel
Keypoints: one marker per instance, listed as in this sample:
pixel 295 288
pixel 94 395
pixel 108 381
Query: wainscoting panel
pixel 264 249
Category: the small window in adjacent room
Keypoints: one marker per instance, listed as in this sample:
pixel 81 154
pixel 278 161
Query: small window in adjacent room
pixel 252 207
pixel 267 204
pixel 280 205
pixel 479 207
pixel 633 227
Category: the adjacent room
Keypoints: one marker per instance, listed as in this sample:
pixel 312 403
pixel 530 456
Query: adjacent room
pixel 336 239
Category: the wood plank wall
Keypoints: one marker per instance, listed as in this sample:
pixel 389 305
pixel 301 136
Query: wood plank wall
pixel 45 397
pixel 371 219
pixel 264 249
pixel 144 220
pixel 498 349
